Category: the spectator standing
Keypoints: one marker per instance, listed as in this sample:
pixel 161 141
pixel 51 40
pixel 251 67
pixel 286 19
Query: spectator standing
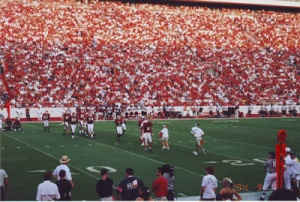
pixel 164 137
pixel 4 183
pixel 64 186
pixel 46 119
pixel 270 179
pixel 160 186
pixel 198 134
pixel 63 166
pixel 287 175
pixel 209 185
pixel 47 191
pixel 39 114
pixel 294 168
pixel 128 189
pixel 105 186
pixel 283 110
pixel 228 192
pixel 19 112
pixel 168 173
pixel 27 113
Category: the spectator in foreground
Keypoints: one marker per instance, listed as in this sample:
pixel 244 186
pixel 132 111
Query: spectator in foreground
pixel 209 185
pixel 63 166
pixel 160 186
pixel 105 186
pixel 144 194
pixel 47 190
pixel 64 186
pixel 3 183
pixel 128 189
pixel 228 192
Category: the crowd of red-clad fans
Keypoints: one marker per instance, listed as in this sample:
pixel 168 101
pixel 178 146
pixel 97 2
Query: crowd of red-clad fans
pixel 73 53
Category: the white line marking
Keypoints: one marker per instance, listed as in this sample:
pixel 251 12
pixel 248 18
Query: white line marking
pixel 62 146
pixel 211 162
pixel 88 174
pixel 181 194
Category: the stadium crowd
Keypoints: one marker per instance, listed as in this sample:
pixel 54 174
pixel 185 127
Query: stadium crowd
pixel 71 53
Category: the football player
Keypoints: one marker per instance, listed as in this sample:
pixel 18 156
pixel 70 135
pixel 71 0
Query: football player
pixel 82 122
pixel 73 124
pixel 46 119
pixel 66 119
pixel 119 122
pixel 147 135
pixel 90 125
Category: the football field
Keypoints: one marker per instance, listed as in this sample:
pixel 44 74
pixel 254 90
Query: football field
pixel 236 148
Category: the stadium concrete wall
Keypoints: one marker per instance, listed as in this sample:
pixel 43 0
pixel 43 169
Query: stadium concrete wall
pixel 56 113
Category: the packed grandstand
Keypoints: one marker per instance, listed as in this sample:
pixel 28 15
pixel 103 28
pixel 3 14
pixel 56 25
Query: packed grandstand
pixel 67 52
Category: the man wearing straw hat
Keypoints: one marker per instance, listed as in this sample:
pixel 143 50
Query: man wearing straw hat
pixel 63 166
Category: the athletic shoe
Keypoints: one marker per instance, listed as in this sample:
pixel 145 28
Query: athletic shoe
pixel 150 150
pixel 168 148
pixel 204 152
pixel 195 153
pixel 73 137
pixel 163 147
pixel 261 199
pixel 142 144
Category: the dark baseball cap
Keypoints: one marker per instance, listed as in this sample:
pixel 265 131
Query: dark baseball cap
pixel 272 153
pixel 293 153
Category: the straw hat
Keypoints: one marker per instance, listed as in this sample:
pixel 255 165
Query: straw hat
pixel 64 159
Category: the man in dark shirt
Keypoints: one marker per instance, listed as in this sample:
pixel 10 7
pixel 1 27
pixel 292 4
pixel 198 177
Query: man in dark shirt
pixel 105 186
pixel 64 186
pixel 128 189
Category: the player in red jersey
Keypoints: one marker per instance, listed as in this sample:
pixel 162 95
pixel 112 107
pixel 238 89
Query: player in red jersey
pixel 90 125
pixel 147 135
pixel 73 124
pixel 66 119
pixel 119 121
pixel 82 122
pixel 46 119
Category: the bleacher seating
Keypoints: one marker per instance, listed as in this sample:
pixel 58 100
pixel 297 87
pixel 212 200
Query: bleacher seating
pixel 67 52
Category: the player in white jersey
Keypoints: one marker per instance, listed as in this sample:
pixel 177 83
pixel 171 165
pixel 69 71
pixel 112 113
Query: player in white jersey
pixel 198 134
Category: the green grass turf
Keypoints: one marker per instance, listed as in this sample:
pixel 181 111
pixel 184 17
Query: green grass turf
pixel 235 147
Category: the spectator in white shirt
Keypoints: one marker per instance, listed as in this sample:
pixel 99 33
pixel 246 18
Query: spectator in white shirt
pixel 47 190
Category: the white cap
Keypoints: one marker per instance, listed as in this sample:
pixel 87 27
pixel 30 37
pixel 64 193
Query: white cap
pixel 287 149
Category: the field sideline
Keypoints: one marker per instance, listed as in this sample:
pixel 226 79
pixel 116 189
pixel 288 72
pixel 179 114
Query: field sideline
pixel 236 148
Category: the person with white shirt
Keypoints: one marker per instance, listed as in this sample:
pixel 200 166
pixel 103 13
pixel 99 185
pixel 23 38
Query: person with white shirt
pixel 209 185
pixel 164 137
pixel 47 190
pixel 287 175
pixel 19 112
pixel 63 166
pixel 39 114
pixel 198 134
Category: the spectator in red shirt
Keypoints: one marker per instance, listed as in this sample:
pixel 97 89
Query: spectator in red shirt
pixel 160 186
